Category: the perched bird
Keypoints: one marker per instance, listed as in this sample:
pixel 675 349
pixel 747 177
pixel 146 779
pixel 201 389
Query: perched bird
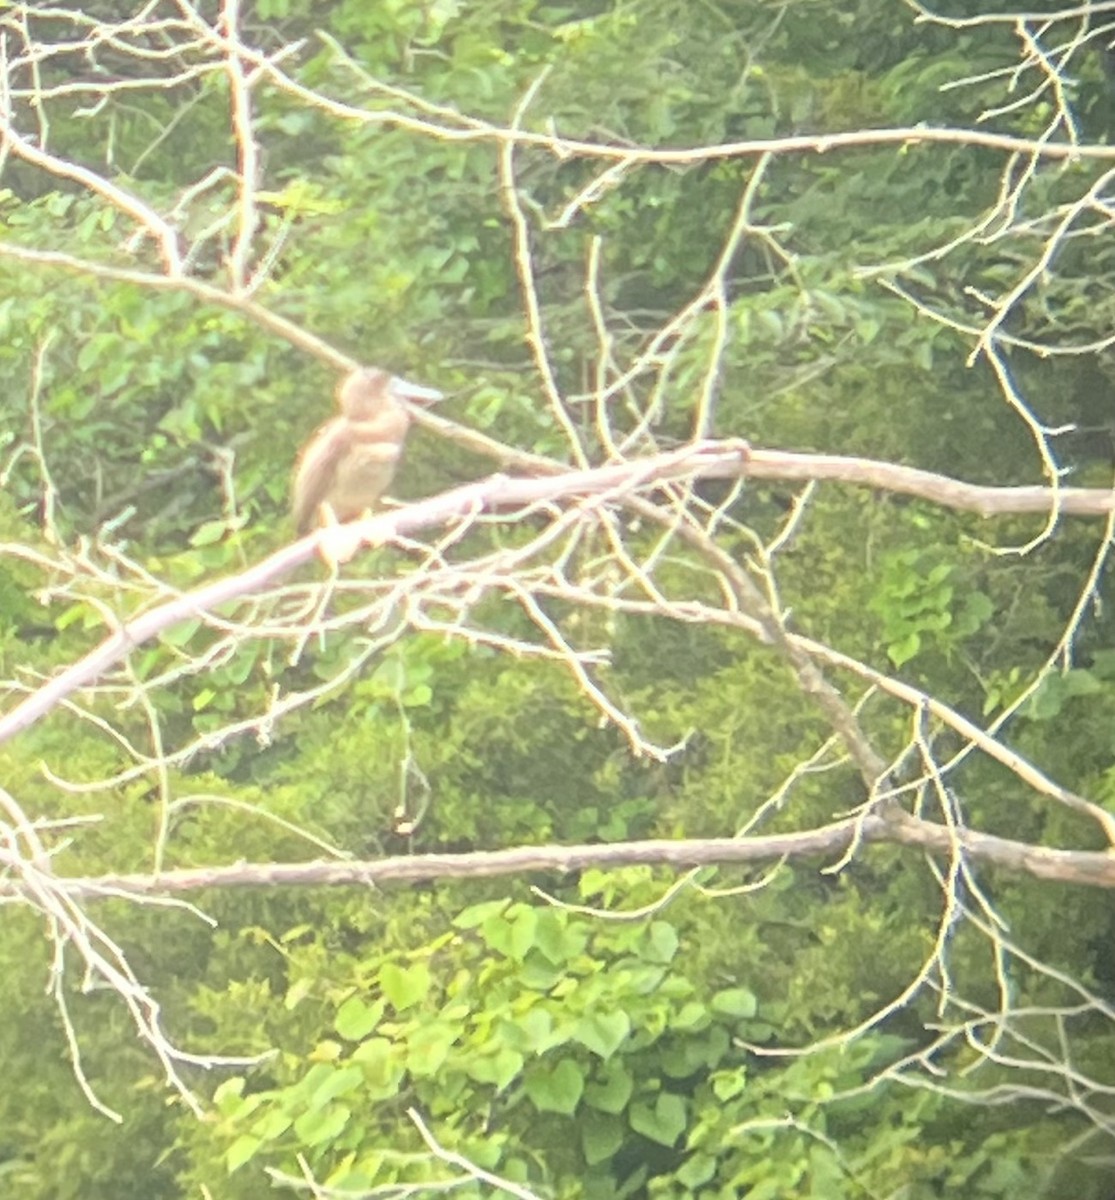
pixel 349 463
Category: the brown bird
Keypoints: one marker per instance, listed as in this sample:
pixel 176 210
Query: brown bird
pixel 349 463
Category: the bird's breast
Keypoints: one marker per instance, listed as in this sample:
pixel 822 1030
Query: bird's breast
pixel 364 472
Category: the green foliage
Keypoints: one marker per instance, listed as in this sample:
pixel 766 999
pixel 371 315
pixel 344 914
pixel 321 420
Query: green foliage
pixel 917 602
pixel 565 1053
pixel 573 1039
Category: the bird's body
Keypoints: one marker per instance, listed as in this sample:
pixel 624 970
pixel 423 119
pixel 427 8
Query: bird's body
pixel 350 462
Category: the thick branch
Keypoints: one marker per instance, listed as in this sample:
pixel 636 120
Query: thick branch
pixel 708 460
pixel 942 490
pixel 1091 868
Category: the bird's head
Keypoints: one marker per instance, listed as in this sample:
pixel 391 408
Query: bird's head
pixel 366 392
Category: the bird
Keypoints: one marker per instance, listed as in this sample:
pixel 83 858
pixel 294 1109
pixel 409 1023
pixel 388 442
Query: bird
pixel 350 461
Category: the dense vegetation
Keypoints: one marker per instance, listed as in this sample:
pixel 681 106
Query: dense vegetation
pixel 882 1023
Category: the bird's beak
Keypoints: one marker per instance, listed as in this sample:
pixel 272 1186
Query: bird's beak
pixel 414 392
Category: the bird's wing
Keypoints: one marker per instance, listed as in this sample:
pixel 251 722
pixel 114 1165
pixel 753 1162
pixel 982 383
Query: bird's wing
pixel 316 465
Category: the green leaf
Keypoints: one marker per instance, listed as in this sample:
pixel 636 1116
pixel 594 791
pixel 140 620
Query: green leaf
pixel 209 533
pixel 735 1002
pixel 976 610
pixel 664 1123
pixel 273 1125
pixel 428 1047
pixel 683 1057
pixel 356 1018
pixel 867 330
pixel 533 1031
pixel 726 1085
pixel 521 933
pixel 1056 690
pixel 697 1169
pixel 556 1090
pixel 227 1097
pixel 404 987
pixel 419 696
pixel 602 1033
pixel 902 651
pixel 612 1093
pixel 477 914
pixel 318 1126
pixel 600 1139
pixel 179 635
pixel 691 1016
pixel 382 1064
pixel 499 1068
pixel 241 1151
pixel 297 992
pixel 339 1083
pixel 558 938
pixel 662 942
